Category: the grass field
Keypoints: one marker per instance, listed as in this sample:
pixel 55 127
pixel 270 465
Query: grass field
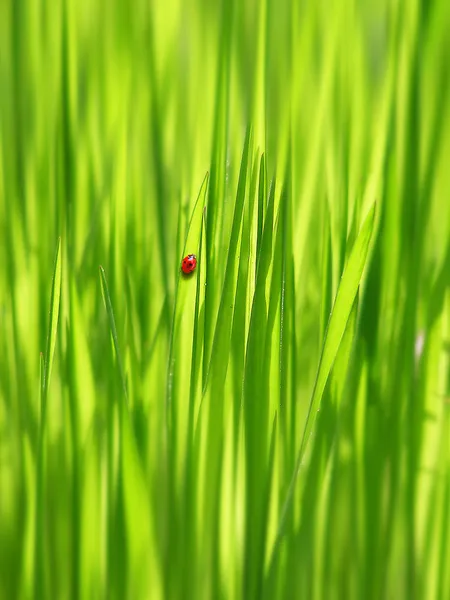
pixel 277 424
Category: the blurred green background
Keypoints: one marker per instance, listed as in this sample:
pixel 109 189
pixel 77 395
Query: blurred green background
pixel 221 436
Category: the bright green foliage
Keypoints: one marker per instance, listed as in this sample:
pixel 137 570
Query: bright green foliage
pixel 277 423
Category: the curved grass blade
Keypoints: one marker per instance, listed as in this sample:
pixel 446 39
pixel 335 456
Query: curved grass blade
pixel 337 325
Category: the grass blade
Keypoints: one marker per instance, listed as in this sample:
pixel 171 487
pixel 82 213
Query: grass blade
pixel 345 297
pixel 45 373
pixel 112 325
pixel 53 324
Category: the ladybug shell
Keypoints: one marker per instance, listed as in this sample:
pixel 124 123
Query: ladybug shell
pixel 189 263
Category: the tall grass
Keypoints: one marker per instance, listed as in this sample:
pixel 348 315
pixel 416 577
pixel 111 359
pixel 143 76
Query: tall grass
pixel 277 424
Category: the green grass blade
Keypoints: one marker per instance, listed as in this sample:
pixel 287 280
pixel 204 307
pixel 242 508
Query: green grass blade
pixel 186 291
pixel 45 373
pixel 209 432
pixel 341 312
pixel 112 325
pixel 53 323
pixel 222 335
pixel 342 308
pixel 262 195
pixel 180 378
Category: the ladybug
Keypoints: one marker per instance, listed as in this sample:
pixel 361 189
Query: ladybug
pixel 189 263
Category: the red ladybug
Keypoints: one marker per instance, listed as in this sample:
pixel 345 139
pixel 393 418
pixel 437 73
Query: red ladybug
pixel 189 263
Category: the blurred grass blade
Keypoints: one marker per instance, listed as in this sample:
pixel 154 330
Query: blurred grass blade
pixel 41 375
pixel 45 373
pixel 144 570
pixel 53 323
pixel 112 325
